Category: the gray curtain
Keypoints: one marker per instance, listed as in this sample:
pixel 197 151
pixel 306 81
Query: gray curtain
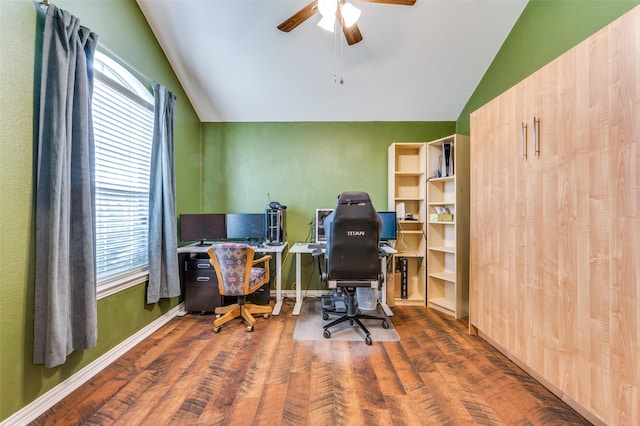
pixel 164 279
pixel 65 284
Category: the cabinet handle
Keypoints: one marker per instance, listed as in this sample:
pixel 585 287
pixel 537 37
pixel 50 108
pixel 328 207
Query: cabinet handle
pixel 523 140
pixel 203 266
pixel 536 143
pixel 202 279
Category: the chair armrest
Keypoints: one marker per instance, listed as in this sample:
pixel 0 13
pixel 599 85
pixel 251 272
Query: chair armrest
pixel 264 258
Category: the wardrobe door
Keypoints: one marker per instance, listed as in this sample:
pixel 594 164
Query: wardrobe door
pixel 607 304
pixel 482 247
pixel 495 158
pixel 558 155
pixel 526 302
pixel 483 244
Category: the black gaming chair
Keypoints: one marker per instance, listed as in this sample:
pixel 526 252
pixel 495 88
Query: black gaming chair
pixel 352 257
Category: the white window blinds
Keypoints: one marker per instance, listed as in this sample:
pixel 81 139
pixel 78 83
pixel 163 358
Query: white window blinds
pixel 123 130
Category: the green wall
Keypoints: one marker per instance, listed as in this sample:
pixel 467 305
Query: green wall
pixel 545 30
pixel 122 27
pixel 303 166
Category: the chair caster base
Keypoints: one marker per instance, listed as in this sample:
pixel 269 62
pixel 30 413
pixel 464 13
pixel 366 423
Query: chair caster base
pixel 326 334
pixel 217 329
pixel 249 328
pixel 367 340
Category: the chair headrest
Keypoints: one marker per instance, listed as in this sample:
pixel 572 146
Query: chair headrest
pixel 353 197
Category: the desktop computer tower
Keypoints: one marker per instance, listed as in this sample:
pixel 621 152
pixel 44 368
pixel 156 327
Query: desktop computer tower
pixel 258 297
pixel 403 267
pixel 275 225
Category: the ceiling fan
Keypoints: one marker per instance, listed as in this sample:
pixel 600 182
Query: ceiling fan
pixel 331 10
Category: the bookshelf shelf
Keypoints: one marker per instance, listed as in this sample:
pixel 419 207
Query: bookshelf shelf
pixel 443 249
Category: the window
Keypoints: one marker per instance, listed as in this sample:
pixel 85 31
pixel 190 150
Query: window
pixel 123 131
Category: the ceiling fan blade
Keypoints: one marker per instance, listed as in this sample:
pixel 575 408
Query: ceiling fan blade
pixel 400 2
pixel 352 34
pixel 299 17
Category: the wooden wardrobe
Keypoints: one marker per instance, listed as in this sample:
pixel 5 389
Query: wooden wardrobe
pixel 555 224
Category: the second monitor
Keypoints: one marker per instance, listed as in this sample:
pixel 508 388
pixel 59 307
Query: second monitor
pixel 388 232
pixel 246 226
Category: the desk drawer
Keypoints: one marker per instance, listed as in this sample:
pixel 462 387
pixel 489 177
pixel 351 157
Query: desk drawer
pixel 201 291
pixel 198 265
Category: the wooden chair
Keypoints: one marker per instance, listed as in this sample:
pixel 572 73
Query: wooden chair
pixel 238 276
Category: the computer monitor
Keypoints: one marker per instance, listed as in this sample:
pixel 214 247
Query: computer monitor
pixel 321 214
pixel 388 232
pixel 202 227
pixel 246 226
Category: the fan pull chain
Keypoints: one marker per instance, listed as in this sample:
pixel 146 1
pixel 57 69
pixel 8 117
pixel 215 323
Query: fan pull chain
pixel 341 58
pixel 336 65
pixel 337 62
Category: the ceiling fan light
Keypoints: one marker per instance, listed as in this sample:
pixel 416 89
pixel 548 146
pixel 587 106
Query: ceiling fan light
pixel 327 22
pixel 327 7
pixel 350 14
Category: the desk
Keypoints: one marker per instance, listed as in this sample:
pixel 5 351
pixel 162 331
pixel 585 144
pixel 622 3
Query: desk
pixel 303 248
pixel 278 250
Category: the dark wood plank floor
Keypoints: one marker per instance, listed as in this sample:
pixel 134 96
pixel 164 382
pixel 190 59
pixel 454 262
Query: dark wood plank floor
pixel 437 374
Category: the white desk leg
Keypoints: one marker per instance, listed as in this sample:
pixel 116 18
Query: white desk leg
pixel 278 305
pixel 383 302
pixel 298 306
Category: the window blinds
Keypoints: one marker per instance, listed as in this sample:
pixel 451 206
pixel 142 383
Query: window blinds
pixel 123 130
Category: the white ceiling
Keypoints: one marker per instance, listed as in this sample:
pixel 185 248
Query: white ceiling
pixel 415 63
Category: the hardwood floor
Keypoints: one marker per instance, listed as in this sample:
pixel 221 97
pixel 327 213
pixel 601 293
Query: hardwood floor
pixel 437 374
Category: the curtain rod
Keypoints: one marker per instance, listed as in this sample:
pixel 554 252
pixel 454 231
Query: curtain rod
pixel 45 4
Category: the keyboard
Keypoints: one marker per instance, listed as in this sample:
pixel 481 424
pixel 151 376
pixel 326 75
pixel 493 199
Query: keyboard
pixel 321 246
pixel 273 243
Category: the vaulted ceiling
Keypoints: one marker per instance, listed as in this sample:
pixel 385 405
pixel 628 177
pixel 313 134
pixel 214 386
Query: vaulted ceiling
pixel 415 63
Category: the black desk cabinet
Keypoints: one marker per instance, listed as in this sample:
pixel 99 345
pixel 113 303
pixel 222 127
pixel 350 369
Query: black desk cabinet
pixel 201 288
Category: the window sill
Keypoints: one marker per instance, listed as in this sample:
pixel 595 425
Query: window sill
pixel 112 287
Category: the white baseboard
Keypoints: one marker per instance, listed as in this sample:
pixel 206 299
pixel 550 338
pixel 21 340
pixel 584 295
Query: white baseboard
pixel 291 294
pixel 47 400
